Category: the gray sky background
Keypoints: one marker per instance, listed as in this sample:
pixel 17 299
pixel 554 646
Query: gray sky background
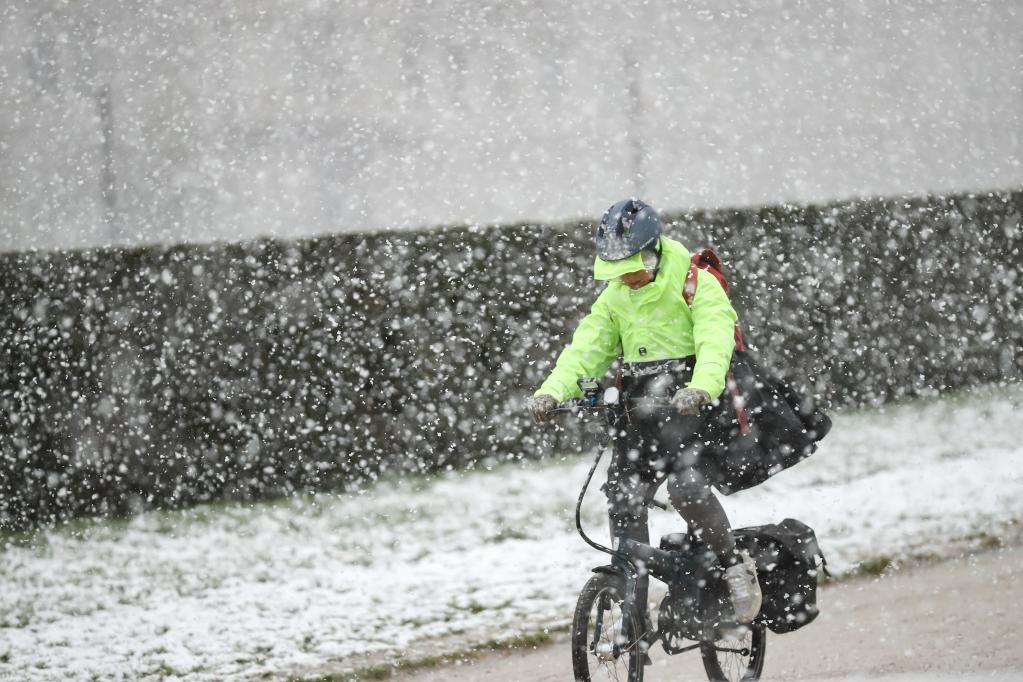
pixel 132 121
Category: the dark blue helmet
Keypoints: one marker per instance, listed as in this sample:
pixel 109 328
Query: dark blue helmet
pixel 627 228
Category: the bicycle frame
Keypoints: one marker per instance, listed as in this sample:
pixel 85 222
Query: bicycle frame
pixel 695 609
pixel 669 566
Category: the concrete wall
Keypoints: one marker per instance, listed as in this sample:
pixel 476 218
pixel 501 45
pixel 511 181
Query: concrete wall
pixel 138 121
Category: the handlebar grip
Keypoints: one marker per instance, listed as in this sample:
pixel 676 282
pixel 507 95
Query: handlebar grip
pixel 577 403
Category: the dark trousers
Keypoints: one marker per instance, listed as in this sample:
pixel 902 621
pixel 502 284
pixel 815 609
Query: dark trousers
pixel 652 447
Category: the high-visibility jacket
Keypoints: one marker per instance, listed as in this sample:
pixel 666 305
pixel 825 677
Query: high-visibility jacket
pixel 652 323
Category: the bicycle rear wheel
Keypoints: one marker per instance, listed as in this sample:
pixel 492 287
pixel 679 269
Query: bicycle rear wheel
pixel 601 648
pixel 737 656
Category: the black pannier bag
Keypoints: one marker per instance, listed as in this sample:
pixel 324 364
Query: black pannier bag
pixel 760 424
pixel 763 427
pixel 786 554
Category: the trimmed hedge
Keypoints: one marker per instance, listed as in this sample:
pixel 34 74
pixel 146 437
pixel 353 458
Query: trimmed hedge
pixel 167 376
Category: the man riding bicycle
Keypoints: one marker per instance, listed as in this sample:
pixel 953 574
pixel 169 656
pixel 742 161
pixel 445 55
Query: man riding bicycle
pixel 668 348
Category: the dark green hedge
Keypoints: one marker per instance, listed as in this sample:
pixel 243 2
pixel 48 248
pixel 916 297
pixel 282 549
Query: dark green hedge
pixel 166 376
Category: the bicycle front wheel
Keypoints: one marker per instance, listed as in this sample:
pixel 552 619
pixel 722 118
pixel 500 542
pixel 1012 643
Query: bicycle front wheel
pixel 602 649
pixel 737 656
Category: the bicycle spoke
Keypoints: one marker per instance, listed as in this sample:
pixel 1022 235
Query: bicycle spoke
pixel 735 660
pixel 611 651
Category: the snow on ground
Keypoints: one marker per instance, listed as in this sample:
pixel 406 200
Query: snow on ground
pixel 325 583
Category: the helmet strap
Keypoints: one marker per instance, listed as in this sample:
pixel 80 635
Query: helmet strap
pixel 657 267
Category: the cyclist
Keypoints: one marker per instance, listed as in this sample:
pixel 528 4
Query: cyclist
pixel 668 349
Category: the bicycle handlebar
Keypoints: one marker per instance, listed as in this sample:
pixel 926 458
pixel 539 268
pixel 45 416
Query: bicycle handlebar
pixel 584 405
pixel 579 404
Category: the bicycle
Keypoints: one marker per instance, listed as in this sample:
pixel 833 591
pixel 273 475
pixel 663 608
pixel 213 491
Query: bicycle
pixel 609 635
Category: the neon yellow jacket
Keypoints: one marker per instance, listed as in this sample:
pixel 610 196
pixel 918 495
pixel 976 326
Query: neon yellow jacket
pixel 652 323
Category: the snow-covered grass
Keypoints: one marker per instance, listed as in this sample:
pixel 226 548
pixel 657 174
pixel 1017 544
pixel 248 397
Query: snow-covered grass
pixel 416 567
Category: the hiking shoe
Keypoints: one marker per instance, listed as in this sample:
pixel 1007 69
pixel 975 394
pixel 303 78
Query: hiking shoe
pixel 744 588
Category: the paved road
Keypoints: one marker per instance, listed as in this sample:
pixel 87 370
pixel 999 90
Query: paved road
pixel 958 618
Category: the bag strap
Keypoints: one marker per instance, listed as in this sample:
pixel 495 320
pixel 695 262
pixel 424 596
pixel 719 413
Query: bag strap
pixel 705 259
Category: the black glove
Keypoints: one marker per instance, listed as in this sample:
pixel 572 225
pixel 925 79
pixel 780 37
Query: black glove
pixel 541 407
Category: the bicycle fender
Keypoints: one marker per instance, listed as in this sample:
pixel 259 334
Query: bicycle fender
pixel 610 570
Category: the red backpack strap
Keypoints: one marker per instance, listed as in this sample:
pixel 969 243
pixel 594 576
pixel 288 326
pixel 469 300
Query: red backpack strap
pixel 705 259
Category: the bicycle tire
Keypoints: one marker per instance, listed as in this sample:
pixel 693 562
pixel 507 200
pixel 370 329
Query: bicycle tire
pixel 586 665
pixel 724 666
